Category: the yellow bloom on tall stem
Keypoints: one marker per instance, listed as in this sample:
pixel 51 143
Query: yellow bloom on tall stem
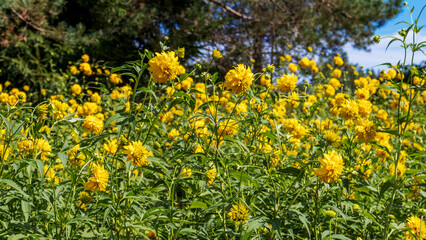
pixel 417 228
pixel 137 153
pixel 365 130
pixel 93 124
pixel 111 146
pixel 164 67
pixel 239 213
pixel 239 79
pixel 99 180
pixel 287 83
pixel 227 128
pixel 210 176
pixel 349 110
pixel 332 166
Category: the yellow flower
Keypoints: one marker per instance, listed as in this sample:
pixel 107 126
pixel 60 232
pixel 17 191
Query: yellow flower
pixel 400 169
pixel 335 83
pixel 186 172
pixel 391 73
pixel 239 79
pixel 26 88
pixel 364 108
pixel 293 67
pixel 337 73
pixel 85 198
pixel 85 58
pixel 330 213
pixel 338 61
pixel 287 83
pixel 173 133
pixel 210 176
pixel 417 228
pixel 329 91
pixel 95 98
pixel 49 174
pixel 151 235
pixel 331 167
pixel 137 153
pixel 265 80
pixel 115 78
pixel 164 67
pixel 180 52
pixel 93 124
pixel 304 62
pixel 99 180
pixel 76 89
pixel 362 94
pixel 86 69
pixel 216 54
pixel 349 110
pixel 74 70
pixel 239 213
pixel 227 128
pixel 4 152
pixel 110 147
pixel 365 130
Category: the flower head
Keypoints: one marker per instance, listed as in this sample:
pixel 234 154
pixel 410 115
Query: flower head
pixel 93 124
pixel 239 213
pixel 287 83
pixel 338 61
pixel 349 110
pixel 239 79
pixel 137 153
pixel 164 67
pixel 332 166
pixel 417 228
pixel 216 54
pixel 99 180
pixel 227 128
pixel 365 130
pixel 210 176
pixel 110 147
pixel 115 78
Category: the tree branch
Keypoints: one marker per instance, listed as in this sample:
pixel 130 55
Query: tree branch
pixel 29 22
pixel 228 9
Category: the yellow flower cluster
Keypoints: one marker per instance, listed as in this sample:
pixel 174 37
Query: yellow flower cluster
pixel 332 166
pixel 99 180
pixel 239 213
pixel 239 79
pixel 137 153
pixel 165 67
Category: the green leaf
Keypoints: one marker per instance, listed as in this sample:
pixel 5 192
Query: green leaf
pixel 244 178
pixel 112 119
pixel 26 209
pixel 64 159
pixel 385 186
pixel 16 237
pixel 339 236
pixel 292 171
pixel 8 124
pixel 255 223
pixel 15 186
pixel 197 204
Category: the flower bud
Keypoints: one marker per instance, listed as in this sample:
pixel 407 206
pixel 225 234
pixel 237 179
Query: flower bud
pixel 330 213
pixel 376 39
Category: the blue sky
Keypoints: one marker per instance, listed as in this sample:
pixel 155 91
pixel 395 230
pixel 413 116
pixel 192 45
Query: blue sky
pixel 378 53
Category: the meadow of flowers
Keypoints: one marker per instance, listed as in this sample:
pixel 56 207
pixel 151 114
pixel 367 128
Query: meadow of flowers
pixel 156 150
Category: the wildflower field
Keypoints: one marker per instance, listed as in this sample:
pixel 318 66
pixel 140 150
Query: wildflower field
pixel 307 149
